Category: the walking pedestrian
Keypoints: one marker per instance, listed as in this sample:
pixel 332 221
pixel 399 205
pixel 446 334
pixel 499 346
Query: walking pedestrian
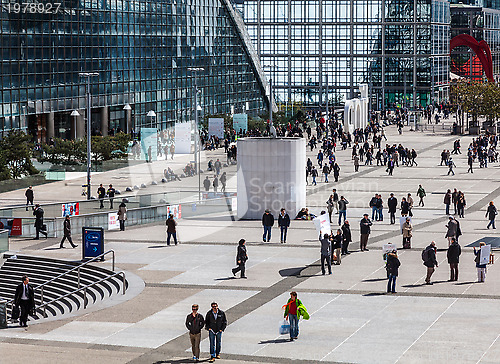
pixel 267 223
pixel 342 208
pixel 67 233
pixel 409 199
pixel 326 171
pixel 451 164
pixel 453 254
pixel 407 233
pixel 122 215
pixel 481 268
pixel 215 323
pixel 491 213
pixel 335 200
pixel 393 265
pixel 336 172
pixel 39 226
pixel 171 229
pixel 325 253
pixel 447 201
pixel 111 195
pixel 101 194
pixel 365 230
pixel 470 162
pixel 337 247
pixel 194 323
pixel 223 181
pixel 392 204
pixel 217 166
pixel 314 174
pixel 329 207
pixel 292 314
pixel 29 197
pixel 452 227
pixel 454 200
pixel 206 184
pixel 241 258
pixel 461 203
pixel 215 183
pixel 25 300
pixel 346 237
pixel 283 223
pixel 429 258
pixel 356 163
pixel 421 194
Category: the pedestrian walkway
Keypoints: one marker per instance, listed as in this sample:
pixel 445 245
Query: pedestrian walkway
pixel 352 319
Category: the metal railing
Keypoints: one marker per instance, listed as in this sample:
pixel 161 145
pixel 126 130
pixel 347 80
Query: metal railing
pixel 84 289
pixel 78 269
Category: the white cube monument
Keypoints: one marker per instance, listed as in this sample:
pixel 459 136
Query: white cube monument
pixel 271 175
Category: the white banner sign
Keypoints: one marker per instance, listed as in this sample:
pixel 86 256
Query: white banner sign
pixel 322 224
pixel 174 210
pixel 183 138
pixel 484 258
pixel 113 223
pixel 216 127
pixel 389 247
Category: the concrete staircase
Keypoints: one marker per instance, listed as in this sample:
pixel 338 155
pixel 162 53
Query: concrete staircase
pixel 41 270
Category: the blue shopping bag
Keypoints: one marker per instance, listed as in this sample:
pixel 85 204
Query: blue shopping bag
pixel 284 327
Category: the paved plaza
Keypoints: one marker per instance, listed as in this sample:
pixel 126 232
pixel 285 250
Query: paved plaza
pixel 352 319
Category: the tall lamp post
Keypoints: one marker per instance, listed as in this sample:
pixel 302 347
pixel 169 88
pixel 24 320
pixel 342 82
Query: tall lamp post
pixel 128 110
pixel 88 75
pixel 75 114
pixel 327 119
pixel 197 147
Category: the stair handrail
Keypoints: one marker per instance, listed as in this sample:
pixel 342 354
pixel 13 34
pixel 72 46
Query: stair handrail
pixel 72 270
pixel 84 288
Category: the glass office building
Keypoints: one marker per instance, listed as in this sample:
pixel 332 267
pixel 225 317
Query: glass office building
pixel 142 51
pixel 400 48
pixel 482 23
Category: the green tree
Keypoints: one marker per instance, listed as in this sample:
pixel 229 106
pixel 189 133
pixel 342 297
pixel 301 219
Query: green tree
pixel 16 155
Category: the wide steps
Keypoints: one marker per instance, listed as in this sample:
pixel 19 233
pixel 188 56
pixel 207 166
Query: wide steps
pixel 41 270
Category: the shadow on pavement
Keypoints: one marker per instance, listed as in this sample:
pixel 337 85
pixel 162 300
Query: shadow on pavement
pixel 275 341
pixel 224 279
pixel 288 272
pixel 374 280
pixel 157 246
pixel 374 294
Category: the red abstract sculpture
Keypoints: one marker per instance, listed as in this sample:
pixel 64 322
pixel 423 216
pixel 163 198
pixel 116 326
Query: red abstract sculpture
pixel 481 49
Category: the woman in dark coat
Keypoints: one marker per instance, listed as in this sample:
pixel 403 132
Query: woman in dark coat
pixel 241 258
pixel 392 268
pixel 346 237
pixel 405 207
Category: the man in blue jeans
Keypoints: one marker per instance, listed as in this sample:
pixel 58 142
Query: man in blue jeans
pixel 284 223
pixel 342 209
pixel 215 323
pixel 267 222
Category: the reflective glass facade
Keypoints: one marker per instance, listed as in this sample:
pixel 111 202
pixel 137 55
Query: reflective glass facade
pixel 482 24
pixel 399 47
pixel 142 51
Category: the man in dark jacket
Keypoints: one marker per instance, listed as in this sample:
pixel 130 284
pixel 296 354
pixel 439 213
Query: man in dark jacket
pixel 325 253
pixel 25 299
pixel 393 264
pixel 429 258
pixel 215 323
pixel 283 223
pixel 67 233
pixel 111 195
pixel 241 258
pixel 453 254
pixel 346 237
pixel 206 184
pixel 364 226
pixel 29 197
pixel 392 204
pixel 171 229
pixel 38 213
pixel 101 194
pixel 267 222
pixel 194 323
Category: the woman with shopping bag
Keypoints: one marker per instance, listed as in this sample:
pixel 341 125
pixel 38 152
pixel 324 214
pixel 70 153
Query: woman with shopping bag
pixel 293 310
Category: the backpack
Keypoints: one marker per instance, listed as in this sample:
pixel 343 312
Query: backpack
pixel 425 255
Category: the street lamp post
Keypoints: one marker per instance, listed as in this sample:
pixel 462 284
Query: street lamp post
pixel 128 110
pixel 75 114
pixel 88 75
pixel 197 146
